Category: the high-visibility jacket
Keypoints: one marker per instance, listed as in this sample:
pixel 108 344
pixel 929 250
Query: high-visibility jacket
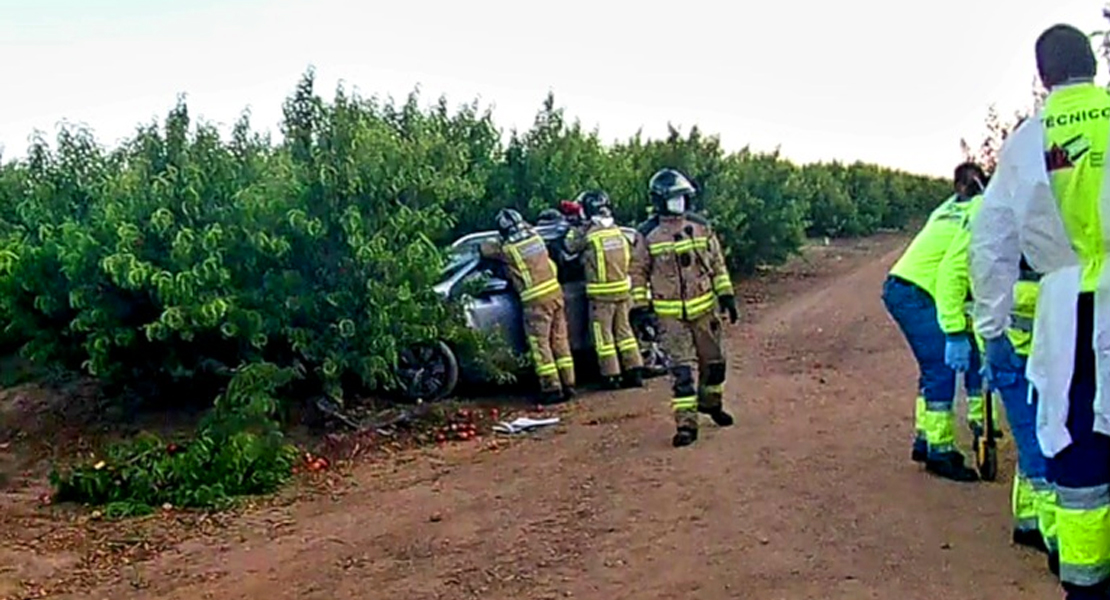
pixel 1046 202
pixel 607 254
pixel 531 270
pixel 679 267
pixel 952 290
pixel 919 263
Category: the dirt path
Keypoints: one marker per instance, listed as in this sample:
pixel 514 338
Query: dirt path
pixel 811 495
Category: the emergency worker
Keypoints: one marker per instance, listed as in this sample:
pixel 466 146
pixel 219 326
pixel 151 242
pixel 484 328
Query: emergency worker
pixel 908 294
pixel 679 273
pixel 1033 503
pixel 607 254
pixel 535 277
pixel 1049 201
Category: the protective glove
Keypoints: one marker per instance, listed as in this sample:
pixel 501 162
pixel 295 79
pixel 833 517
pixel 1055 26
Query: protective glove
pixel 957 352
pixel 728 304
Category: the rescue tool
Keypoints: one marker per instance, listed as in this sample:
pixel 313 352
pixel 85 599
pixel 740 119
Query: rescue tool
pixel 986 445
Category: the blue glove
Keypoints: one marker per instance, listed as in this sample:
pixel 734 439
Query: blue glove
pixel 957 352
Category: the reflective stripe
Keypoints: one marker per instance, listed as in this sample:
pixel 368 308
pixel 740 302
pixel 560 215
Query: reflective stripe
pixel 1021 323
pixel 722 284
pixel 518 261
pixel 714 389
pixel 542 290
pixel 612 288
pixel 603 350
pixel 599 255
pixel 547 369
pixel 940 428
pixel 640 294
pixel 684 404
pixel 564 363
pixel 1088 498
pixel 628 344
pixel 694 307
pixel 686 245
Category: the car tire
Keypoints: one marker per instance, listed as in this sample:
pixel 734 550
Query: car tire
pixel 427 372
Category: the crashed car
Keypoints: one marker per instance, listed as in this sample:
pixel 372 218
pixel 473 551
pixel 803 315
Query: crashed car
pixel 431 372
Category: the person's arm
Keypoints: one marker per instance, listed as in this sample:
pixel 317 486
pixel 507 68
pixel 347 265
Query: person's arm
pixel 639 270
pixel 722 283
pixel 995 249
pixel 575 241
pixel 953 283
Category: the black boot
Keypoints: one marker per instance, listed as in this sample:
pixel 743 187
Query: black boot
pixel 951 466
pixel 1077 592
pixel 611 383
pixel 1030 539
pixel 634 378
pixel 569 393
pixel 550 398
pixel 684 437
pixel 719 416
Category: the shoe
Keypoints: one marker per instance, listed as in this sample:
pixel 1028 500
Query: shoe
pixel 550 398
pixel 719 416
pixel 951 467
pixel 569 393
pixel 684 437
pixel 1030 538
pixel 634 378
pixel 920 451
pixel 612 383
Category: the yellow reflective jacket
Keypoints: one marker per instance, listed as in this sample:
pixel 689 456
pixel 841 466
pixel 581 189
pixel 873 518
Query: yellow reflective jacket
pixel 531 270
pixel 607 254
pixel 953 282
pixel 918 264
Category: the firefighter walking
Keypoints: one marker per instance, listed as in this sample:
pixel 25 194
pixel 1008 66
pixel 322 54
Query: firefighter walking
pixel 607 254
pixel 679 274
pixel 535 277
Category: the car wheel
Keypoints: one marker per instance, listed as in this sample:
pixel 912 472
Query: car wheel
pixel 427 372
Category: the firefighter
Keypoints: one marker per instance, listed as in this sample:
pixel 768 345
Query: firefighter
pixel 1046 203
pixel 535 277
pixel 679 274
pixel 908 294
pixel 607 252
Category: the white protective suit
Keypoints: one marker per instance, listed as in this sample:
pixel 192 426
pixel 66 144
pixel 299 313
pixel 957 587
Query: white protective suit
pixel 1020 214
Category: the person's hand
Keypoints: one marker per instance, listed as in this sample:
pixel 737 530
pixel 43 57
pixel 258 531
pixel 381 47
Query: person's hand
pixel 728 304
pixel 957 352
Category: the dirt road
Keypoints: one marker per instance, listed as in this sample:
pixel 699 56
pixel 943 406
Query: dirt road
pixel 811 495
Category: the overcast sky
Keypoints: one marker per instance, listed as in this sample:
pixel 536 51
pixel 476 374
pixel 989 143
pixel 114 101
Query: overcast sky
pixel 885 81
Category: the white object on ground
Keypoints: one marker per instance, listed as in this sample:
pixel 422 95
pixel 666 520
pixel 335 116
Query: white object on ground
pixel 521 424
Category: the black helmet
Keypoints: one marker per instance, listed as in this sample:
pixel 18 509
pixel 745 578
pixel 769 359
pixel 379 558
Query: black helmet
pixel 667 184
pixel 595 203
pixel 510 223
pixel 550 215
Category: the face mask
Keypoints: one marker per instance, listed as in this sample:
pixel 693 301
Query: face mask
pixel 676 205
pixel 602 221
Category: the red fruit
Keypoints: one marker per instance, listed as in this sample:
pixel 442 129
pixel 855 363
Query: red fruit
pixel 171 448
pixel 441 438
pixel 454 427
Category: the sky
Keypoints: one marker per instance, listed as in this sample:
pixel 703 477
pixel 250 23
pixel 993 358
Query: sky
pixel 894 83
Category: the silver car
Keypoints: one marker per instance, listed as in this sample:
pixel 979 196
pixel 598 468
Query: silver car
pixel 431 372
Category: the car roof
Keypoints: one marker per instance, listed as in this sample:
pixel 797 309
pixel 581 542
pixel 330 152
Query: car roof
pixel 548 232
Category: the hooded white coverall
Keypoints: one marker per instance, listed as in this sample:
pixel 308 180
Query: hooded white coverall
pixel 1050 200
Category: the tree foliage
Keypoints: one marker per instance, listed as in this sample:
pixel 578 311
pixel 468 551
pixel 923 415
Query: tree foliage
pixel 181 257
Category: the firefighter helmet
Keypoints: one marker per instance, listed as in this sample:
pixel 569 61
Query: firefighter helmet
pixel 666 187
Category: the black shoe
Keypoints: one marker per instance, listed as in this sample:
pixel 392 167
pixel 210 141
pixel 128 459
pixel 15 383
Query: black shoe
pixel 719 416
pixel 920 451
pixel 634 378
pixel 550 398
pixel 684 437
pixel 1030 539
pixel 569 393
pixel 612 383
pixel 951 467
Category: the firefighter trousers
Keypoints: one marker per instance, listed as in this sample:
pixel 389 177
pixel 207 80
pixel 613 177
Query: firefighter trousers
pixel 696 353
pixel 613 336
pixel 545 325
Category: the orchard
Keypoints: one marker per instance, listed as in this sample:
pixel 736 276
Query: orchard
pixel 249 273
